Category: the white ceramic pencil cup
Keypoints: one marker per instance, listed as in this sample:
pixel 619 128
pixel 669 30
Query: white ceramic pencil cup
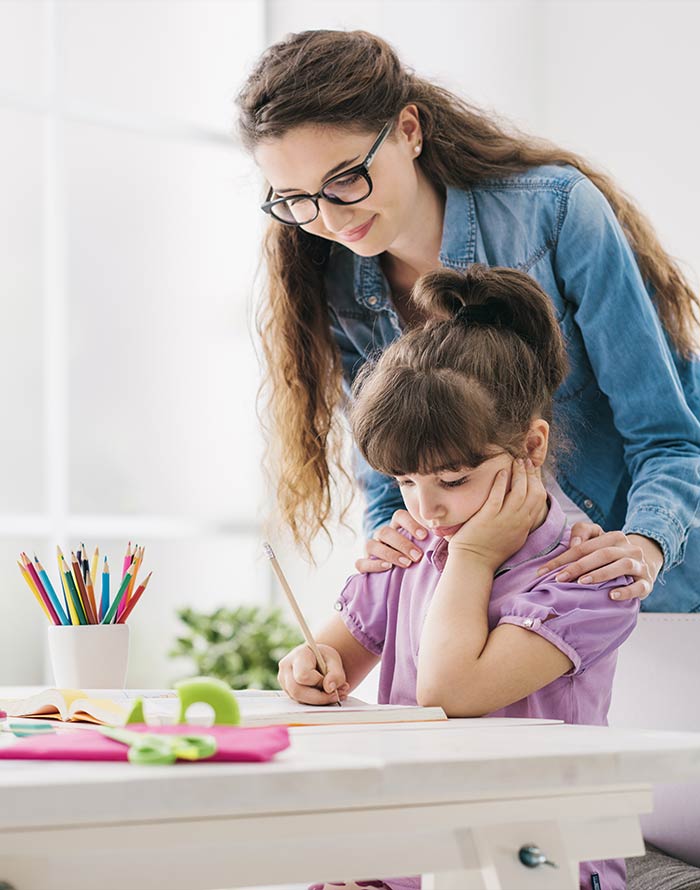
pixel 89 656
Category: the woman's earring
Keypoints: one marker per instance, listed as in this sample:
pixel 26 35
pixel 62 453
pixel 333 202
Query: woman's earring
pixel 417 149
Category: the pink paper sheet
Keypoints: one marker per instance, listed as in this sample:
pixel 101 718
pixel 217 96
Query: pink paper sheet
pixel 234 743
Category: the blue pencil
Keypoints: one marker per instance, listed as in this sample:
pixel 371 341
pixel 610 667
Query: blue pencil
pixel 104 603
pixel 48 586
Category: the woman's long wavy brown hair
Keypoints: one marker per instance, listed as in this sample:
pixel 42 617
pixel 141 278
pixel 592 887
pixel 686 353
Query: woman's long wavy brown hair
pixel 354 79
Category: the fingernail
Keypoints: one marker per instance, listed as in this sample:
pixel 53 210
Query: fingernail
pixel 415 554
pixel 615 594
pixel 541 571
pixel 404 561
pixel 421 533
pixel 575 542
pixel 562 576
pixel 586 579
pixel 386 565
pixel 331 687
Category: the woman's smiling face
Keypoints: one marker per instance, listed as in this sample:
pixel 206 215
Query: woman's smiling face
pixel 304 158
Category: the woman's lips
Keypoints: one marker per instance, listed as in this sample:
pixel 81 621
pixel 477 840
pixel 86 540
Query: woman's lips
pixel 356 234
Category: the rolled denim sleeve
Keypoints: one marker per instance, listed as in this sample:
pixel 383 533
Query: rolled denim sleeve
pixel 634 368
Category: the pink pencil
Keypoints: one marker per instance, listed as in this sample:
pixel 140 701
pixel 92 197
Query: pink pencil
pixel 40 587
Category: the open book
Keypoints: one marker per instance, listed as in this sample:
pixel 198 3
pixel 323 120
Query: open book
pixel 101 706
pixel 258 708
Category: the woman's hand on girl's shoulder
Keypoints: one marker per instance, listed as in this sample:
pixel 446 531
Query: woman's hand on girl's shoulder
pixel 595 556
pixel 388 547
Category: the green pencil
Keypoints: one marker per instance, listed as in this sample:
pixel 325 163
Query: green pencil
pixel 73 590
pixel 118 598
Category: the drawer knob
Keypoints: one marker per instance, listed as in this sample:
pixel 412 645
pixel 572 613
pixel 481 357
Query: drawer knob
pixel 531 856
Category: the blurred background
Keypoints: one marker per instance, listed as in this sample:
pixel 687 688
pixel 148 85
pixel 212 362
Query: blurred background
pixel 129 233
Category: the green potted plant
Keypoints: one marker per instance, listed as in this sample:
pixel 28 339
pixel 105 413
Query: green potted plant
pixel 240 645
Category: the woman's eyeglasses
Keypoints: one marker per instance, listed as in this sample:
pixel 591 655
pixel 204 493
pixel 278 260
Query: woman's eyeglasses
pixel 349 187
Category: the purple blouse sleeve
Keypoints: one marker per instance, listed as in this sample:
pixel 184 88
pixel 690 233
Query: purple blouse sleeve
pixel 362 606
pixel 579 619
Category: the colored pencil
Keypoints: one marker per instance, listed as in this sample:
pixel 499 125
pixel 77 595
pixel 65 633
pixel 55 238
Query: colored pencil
pixel 88 604
pixel 104 604
pixel 117 599
pixel 87 575
pixel 75 596
pixel 40 588
pixel 48 587
pixel 136 564
pixel 127 560
pixel 28 578
pixel 74 619
pixel 93 568
pixel 134 599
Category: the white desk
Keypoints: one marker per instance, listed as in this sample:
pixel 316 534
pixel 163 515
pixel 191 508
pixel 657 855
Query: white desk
pixel 453 801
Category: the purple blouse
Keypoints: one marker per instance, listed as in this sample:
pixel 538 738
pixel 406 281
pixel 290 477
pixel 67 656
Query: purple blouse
pixel 385 612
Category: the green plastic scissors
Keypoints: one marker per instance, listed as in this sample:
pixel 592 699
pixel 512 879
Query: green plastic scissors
pixel 153 748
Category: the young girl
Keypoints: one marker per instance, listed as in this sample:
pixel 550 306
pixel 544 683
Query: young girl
pixel 459 413
pixel 374 176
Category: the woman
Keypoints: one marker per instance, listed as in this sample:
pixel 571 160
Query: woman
pixel 376 176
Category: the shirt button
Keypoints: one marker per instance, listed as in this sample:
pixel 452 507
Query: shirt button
pixel 588 503
pixel 338 605
pixel 527 622
pixel 372 301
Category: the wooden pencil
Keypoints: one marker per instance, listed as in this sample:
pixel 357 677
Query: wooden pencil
pixel 63 617
pixel 75 595
pixel 70 605
pixel 28 578
pixel 134 599
pixel 88 604
pixel 308 636
pixel 112 611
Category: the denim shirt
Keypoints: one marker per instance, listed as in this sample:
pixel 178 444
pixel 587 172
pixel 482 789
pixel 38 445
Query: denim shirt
pixel 630 404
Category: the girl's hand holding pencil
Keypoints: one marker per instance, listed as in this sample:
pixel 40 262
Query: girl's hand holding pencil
pixel 79 603
pixel 301 679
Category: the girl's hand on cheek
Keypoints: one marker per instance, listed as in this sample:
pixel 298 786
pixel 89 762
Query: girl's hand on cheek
pixel 500 528
pixel 390 548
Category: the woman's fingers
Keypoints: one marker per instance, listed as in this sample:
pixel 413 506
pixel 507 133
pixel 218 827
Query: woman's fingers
pixel 403 519
pixel 638 590
pixel 367 564
pixel 607 571
pixel 595 542
pixel 584 531
pixel 390 545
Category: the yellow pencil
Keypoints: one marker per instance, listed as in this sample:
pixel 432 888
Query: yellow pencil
pixel 93 567
pixel 32 586
pixel 69 599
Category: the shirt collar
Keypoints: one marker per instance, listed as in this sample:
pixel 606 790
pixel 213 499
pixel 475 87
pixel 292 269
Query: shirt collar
pixel 541 541
pixel 457 250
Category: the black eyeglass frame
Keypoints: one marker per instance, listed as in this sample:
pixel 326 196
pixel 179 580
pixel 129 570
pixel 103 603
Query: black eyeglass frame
pixel 362 169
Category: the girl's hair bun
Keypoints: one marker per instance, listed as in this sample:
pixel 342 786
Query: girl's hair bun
pixel 498 298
